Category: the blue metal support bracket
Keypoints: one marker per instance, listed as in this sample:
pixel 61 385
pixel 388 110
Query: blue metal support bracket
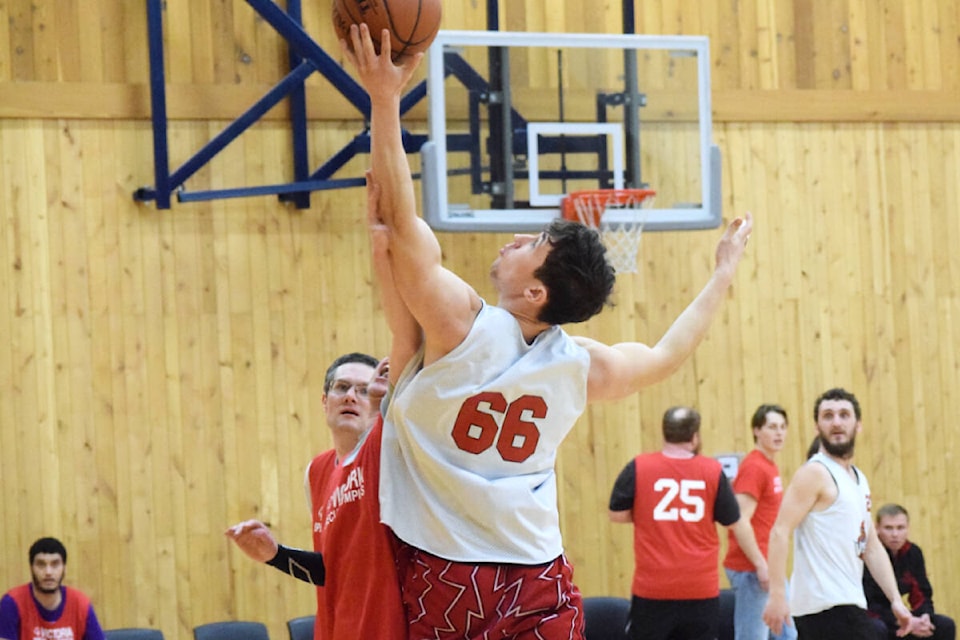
pixel 306 57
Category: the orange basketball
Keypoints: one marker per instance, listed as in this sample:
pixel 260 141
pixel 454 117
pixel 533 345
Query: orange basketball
pixel 413 24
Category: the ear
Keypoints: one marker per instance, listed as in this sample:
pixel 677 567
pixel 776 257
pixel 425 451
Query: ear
pixel 536 294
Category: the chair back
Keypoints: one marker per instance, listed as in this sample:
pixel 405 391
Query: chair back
pixel 605 618
pixel 133 633
pixel 231 630
pixel 301 628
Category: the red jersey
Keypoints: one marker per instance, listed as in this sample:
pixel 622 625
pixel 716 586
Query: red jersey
pixel 361 594
pixel 71 625
pixel 759 478
pixel 675 540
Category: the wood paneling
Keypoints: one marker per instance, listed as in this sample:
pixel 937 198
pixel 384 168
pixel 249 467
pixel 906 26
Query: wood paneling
pixel 220 56
pixel 161 372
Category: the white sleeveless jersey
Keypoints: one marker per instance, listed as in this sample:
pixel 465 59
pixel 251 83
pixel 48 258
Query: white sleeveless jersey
pixel 828 546
pixel 470 442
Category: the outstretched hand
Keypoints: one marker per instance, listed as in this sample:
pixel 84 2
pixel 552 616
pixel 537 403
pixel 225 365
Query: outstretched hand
pixel 379 75
pixel 254 539
pixel 733 243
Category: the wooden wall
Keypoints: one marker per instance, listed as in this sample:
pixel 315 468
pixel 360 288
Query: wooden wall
pixel 161 371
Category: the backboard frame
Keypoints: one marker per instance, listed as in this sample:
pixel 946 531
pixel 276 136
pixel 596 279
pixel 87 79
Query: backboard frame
pixel 443 215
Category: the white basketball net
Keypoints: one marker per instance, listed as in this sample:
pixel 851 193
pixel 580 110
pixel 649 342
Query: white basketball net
pixel 622 239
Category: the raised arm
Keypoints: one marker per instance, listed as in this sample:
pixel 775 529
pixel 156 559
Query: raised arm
pixel 622 369
pixel 405 332
pixel 442 304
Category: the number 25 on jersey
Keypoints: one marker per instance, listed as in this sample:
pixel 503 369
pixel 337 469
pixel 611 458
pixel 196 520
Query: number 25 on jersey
pixel 682 500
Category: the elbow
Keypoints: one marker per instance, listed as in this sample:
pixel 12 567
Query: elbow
pixel 621 517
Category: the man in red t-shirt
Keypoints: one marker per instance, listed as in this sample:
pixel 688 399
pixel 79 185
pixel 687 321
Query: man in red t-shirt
pixel 44 608
pixel 673 498
pixel 759 491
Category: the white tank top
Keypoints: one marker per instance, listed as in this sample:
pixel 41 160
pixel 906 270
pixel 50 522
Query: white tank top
pixel 470 443
pixel 828 546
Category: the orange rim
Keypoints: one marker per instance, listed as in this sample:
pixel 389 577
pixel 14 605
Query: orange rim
pixel 597 200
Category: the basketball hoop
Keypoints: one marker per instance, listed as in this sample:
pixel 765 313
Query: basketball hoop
pixel 621 238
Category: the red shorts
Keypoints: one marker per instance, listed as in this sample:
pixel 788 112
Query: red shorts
pixel 447 600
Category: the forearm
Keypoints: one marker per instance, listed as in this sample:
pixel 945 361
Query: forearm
pixel 690 327
pixel 301 564
pixel 390 165
pixel 777 561
pixel 405 332
pixel 743 532
pixel 878 563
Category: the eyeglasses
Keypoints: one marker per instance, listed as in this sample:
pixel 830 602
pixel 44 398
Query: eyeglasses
pixel 342 388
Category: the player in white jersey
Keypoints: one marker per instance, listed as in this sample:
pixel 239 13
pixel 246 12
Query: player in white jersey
pixel 828 504
pixel 477 417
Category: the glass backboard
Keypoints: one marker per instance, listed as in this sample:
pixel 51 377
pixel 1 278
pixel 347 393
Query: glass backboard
pixel 518 120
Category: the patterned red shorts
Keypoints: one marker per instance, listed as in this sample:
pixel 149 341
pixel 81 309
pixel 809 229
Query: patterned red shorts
pixel 446 600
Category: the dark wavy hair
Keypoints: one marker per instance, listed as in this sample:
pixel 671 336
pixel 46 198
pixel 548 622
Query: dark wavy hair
pixel 576 273
pixel 836 394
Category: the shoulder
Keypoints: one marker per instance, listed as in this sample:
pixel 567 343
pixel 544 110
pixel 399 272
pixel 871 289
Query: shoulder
pixel 861 477
pixel 78 596
pixel 322 463
pixel 813 476
pixel 324 457
pixel 753 462
pixel 709 464
pixel 17 593
pixel 647 459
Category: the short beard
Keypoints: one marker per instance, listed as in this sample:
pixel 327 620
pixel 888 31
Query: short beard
pixel 842 451
pixel 37 587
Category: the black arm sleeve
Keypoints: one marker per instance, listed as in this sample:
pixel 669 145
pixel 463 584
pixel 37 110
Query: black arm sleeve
pixel 301 564
pixel 621 498
pixel 726 509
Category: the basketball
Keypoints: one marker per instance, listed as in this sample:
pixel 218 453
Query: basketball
pixel 413 24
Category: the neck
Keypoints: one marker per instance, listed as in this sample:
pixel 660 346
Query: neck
pixel 678 449
pixel 344 443
pixel 846 462
pixel 526 317
pixel 767 453
pixel 49 601
pixel 529 327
